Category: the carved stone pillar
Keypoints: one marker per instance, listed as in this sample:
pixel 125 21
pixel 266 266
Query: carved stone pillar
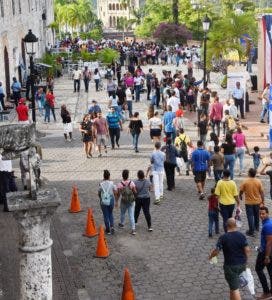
pixel 33 218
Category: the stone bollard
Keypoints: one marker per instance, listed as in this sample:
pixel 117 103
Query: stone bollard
pixel 33 218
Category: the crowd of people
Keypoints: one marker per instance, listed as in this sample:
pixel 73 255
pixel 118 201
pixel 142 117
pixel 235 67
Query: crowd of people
pixel 171 99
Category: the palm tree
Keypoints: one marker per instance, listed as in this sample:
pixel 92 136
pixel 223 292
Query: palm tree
pixel 175 11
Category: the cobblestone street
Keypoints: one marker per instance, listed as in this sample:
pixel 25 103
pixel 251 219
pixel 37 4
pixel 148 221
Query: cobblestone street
pixel 169 263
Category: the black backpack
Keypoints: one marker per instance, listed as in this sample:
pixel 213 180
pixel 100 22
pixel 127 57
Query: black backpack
pixel 183 147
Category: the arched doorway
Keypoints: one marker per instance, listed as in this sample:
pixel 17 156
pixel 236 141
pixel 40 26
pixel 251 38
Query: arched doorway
pixel 7 75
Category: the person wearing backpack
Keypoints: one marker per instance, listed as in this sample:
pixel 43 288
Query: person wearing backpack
pixel 106 193
pixel 181 143
pixel 126 191
pixel 142 200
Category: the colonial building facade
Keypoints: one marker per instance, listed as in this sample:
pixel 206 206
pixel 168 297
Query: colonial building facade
pixel 16 18
pixel 108 11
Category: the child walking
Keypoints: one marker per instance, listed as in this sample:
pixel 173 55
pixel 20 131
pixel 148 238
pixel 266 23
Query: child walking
pixel 256 156
pixel 213 212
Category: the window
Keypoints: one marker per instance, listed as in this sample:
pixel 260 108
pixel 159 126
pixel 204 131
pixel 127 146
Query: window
pixel 110 21
pixel 20 8
pixel 13 7
pixel 117 6
pixel 110 6
pixel 113 6
pixel 2 8
pixel 114 22
pixel 121 7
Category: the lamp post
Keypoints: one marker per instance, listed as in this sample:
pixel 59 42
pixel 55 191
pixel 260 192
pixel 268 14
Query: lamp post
pixel 196 6
pixel 30 41
pixel 206 26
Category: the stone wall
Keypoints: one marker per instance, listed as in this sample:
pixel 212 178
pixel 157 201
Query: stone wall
pixel 16 18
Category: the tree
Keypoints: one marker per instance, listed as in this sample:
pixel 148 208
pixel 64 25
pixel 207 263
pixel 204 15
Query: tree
pixel 175 11
pixel 170 34
pixel 123 24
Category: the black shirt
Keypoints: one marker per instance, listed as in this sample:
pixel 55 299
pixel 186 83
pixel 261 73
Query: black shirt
pixel 233 244
pixel 135 126
pixel 203 127
pixel 228 148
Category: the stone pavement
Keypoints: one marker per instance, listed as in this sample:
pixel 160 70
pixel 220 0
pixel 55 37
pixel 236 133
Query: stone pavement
pixel 169 263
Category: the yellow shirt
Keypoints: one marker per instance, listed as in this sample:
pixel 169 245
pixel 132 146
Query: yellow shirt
pixel 182 137
pixel 252 188
pixel 226 190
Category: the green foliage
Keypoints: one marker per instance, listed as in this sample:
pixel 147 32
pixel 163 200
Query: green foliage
pixel 51 59
pixel 108 55
pixel 225 35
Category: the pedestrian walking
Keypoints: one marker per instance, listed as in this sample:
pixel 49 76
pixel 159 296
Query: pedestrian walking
pixel 217 161
pixel 216 115
pixel 142 200
pixel 170 163
pixel 265 103
pixel 106 193
pixel 40 99
pixel 49 106
pixel 168 126
pixel 183 143
pixel 227 192
pixel 203 127
pixel 135 128
pixel 157 166
pixel 127 190
pixel 87 76
pixel 200 165
pixel 213 212
pixel 241 147
pixel 97 79
pixel 155 125
pixel 228 148
pixel 67 123
pixel 22 112
pixel 256 157
pixel 101 133
pixel 16 88
pixel 115 126
pixel 264 257
pixel 76 77
pixel 86 128
pixel 236 254
pixel 253 190
pixel 238 96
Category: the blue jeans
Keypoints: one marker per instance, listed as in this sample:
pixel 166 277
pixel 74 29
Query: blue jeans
pixel 240 153
pixel 217 175
pixel 137 92
pixel 130 208
pixel 226 212
pixel 252 212
pixel 47 114
pixel 264 111
pixel 135 137
pixel 229 163
pixel 129 106
pixel 213 219
pixel 108 215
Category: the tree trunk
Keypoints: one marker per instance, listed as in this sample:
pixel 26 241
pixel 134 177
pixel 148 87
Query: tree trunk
pixel 175 11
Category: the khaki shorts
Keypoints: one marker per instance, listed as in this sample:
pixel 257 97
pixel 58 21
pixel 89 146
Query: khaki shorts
pixel 101 139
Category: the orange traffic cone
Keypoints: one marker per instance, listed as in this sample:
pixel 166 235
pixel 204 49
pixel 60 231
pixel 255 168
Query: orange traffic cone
pixel 102 250
pixel 90 230
pixel 128 293
pixel 75 203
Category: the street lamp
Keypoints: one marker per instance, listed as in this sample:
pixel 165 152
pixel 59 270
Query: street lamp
pixel 206 26
pixel 197 6
pixel 30 41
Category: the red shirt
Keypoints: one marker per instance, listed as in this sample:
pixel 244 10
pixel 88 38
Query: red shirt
pixel 213 203
pixel 50 99
pixel 22 112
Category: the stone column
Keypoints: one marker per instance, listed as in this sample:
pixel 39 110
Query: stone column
pixel 33 218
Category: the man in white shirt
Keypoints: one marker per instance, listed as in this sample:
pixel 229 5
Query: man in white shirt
pixel 238 96
pixel 129 101
pixel 76 77
pixel 173 101
pixel 5 173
